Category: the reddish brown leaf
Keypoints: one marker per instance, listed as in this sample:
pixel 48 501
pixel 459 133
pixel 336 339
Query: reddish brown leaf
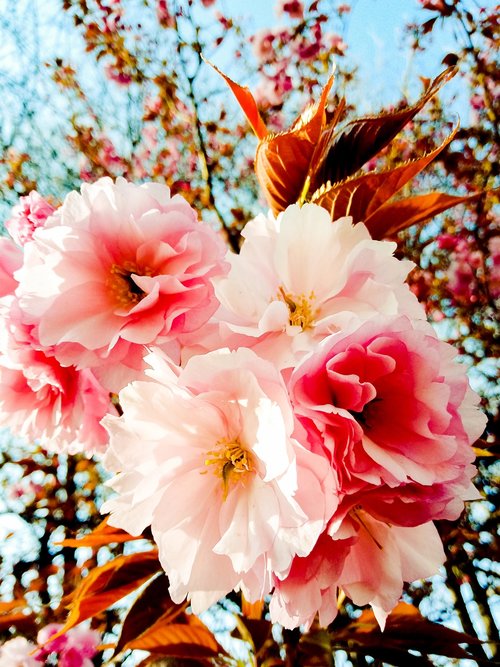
pixel 252 609
pixel 19 603
pixel 246 102
pixel 18 619
pixel 16 613
pixel 107 584
pixel 395 216
pixel 283 161
pixel 363 138
pixel 100 536
pixel 362 196
pixel 406 629
pixel 153 603
pixel 182 640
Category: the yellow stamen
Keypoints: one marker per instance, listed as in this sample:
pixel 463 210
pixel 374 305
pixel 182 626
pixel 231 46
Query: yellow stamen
pixel 300 308
pixel 123 288
pixel 230 460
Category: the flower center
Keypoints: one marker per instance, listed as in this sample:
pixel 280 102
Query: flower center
pixel 231 462
pixel 123 288
pixel 300 308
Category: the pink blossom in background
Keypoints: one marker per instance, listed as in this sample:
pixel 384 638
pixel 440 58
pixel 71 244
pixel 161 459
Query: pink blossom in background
pixel 163 14
pixel 24 489
pixel 120 266
pixel 270 91
pixel 436 5
pixel 301 277
pixel 42 400
pixel 11 259
pixel 219 429
pixel 262 44
pixel 344 8
pixel 294 8
pixel 27 216
pixel 75 648
pixel 335 43
pixel 461 273
pixel 16 652
pixel 388 405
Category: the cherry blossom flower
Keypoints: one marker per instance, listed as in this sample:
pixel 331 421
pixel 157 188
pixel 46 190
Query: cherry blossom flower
pixel 294 8
pixel 262 44
pixel 42 400
pixel 301 277
pixel 75 648
pixel 368 559
pixel 16 652
pixel 219 429
pixel 388 405
pixel 311 586
pixel 11 259
pixel 119 267
pixel 395 554
pixel 30 214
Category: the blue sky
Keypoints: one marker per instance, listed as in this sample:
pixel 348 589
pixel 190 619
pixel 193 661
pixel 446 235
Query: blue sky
pixel 379 45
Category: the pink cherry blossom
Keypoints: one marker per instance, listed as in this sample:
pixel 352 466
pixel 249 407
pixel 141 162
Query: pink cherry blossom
pixel 16 652
pixel 40 399
pixel 11 259
pixel 74 648
pixel 294 8
pixel 219 429
pixel 30 214
pixel 383 558
pixel 388 405
pixel 366 558
pixel 301 277
pixel 311 586
pixel 262 44
pixel 119 267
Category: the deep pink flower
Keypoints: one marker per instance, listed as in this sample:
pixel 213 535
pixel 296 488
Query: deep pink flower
pixel 30 214
pixel 11 259
pixel 74 648
pixel 47 645
pixel 120 264
pixel 219 429
pixel 388 405
pixel 262 44
pixel 42 400
pixel 294 8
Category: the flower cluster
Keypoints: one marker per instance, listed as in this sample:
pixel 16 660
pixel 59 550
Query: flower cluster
pixel 74 648
pixel 295 386
pixel 115 268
